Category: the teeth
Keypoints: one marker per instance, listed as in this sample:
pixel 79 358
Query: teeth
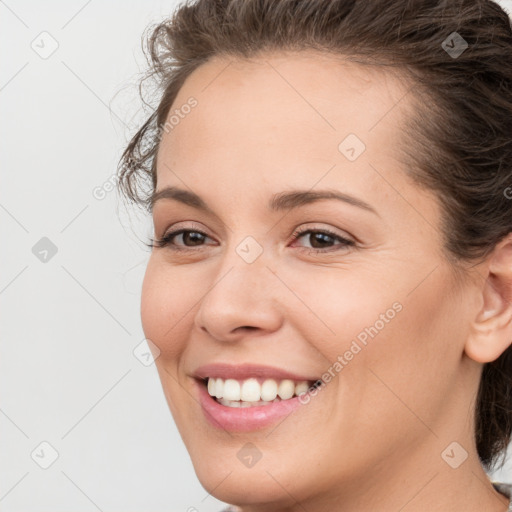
pixel 250 392
pixel 286 389
pixel 301 387
pixel 231 390
pixel 238 403
pixel 219 388
pixel 269 390
pixel 211 387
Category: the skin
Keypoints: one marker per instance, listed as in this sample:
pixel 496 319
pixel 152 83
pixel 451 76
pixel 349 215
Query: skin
pixel 373 437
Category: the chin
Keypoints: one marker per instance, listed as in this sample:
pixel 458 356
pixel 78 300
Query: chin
pixel 241 486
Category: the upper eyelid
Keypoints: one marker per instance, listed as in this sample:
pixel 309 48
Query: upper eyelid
pixel 178 226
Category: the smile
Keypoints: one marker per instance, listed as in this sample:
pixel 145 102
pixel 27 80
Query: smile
pixel 247 397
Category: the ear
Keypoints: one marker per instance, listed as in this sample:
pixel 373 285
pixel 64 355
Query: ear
pixel 491 329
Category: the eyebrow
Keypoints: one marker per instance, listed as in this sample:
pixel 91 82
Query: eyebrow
pixel 281 201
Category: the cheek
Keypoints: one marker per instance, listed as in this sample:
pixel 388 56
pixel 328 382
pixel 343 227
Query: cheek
pixel 336 307
pixel 395 344
pixel 165 303
pixel 412 362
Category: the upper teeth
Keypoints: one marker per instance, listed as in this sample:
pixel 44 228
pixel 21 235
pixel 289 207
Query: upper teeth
pixel 250 390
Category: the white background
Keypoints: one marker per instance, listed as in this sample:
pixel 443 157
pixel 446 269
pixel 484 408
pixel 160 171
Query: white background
pixel 68 375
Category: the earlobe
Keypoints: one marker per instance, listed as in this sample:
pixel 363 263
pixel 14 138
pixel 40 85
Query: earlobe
pixel 491 329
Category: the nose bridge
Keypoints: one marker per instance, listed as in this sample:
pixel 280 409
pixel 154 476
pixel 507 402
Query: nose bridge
pixel 245 264
pixel 241 292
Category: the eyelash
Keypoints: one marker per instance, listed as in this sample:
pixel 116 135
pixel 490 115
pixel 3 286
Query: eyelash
pixel 166 240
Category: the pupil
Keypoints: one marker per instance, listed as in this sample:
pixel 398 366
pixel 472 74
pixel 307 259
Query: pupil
pixel 321 235
pixel 192 235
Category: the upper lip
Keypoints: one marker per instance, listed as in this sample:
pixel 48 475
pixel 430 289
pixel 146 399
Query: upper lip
pixel 247 370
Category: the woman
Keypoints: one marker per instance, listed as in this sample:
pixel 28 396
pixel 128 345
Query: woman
pixel 329 288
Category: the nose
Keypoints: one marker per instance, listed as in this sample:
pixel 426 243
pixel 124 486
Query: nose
pixel 241 298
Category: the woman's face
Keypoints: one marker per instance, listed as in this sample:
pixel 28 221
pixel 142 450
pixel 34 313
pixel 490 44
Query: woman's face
pixel 377 313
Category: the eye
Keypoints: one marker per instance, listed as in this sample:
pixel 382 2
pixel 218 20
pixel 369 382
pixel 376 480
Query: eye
pixel 187 236
pixel 321 240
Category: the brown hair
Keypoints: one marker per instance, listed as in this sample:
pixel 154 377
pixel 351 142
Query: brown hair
pixel 458 144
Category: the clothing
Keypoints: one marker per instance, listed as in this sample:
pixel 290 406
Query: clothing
pixel 505 489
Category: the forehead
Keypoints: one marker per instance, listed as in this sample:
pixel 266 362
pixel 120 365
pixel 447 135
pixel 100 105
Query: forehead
pixel 282 117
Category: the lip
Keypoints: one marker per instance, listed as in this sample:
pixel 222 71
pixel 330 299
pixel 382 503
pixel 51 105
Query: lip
pixel 246 371
pixel 243 419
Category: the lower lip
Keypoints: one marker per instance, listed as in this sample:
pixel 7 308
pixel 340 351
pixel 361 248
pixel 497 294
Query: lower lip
pixel 244 419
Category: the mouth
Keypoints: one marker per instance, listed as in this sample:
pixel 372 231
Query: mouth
pixel 255 392
pixel 247 397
